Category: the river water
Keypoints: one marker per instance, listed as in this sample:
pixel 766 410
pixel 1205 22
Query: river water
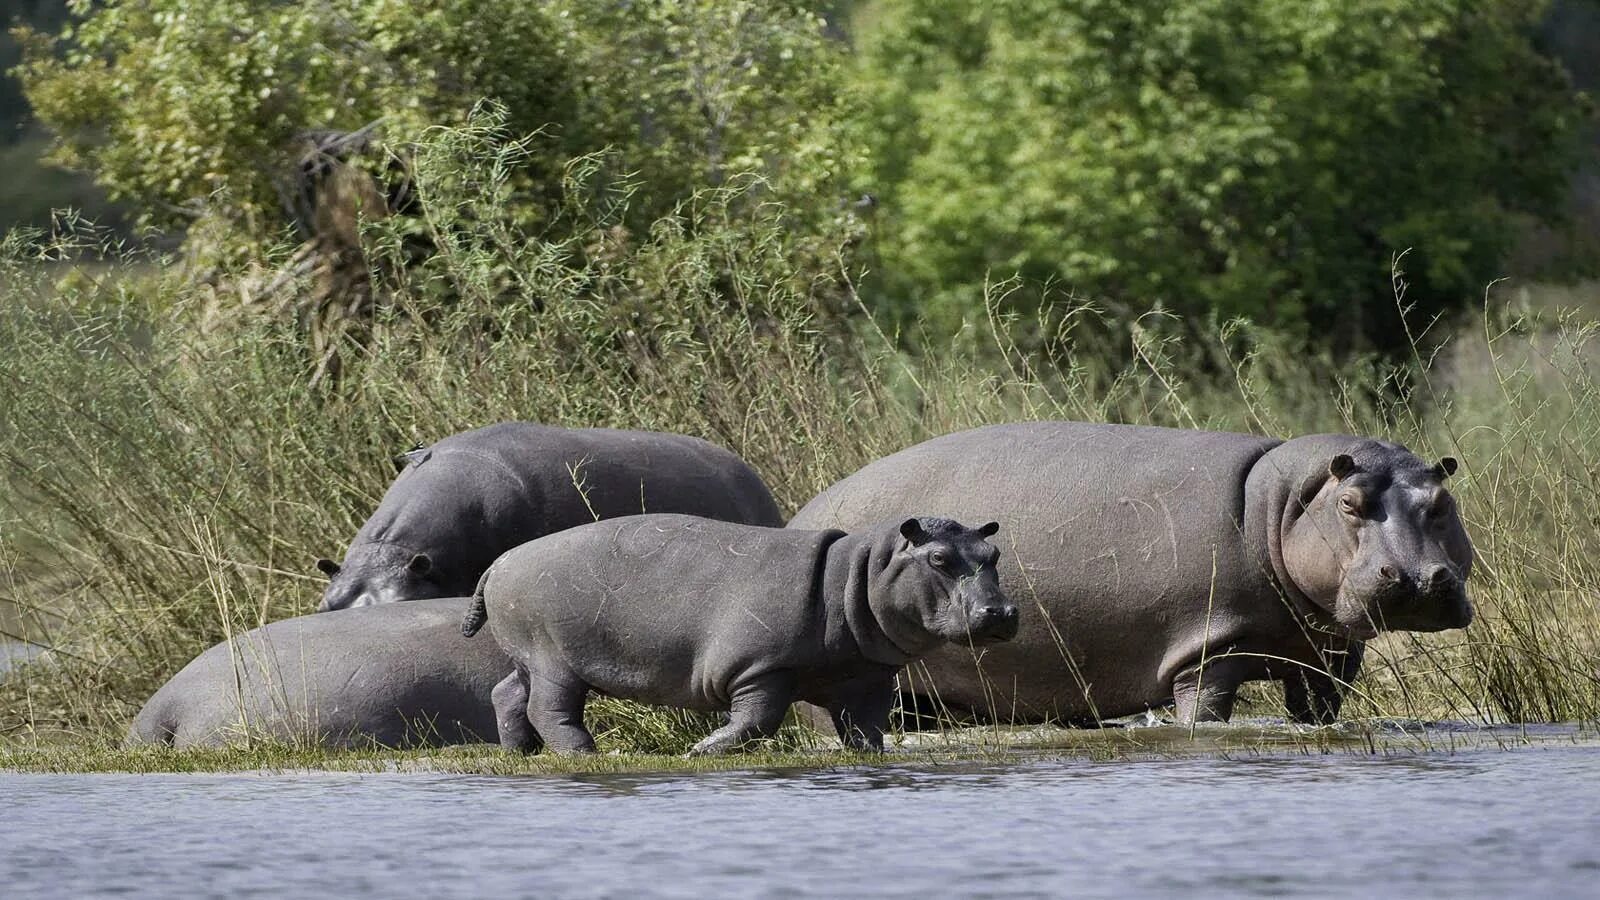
pixel 1480 822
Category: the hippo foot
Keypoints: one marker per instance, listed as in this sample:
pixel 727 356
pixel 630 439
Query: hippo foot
pixel 713 747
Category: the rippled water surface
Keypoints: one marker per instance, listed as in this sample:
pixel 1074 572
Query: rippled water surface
pixel 1485 822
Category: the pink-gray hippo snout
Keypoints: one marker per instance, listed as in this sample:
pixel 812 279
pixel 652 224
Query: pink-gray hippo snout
pixel 1431 598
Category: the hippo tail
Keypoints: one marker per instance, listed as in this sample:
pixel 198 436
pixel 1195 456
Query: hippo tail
pixel 478 613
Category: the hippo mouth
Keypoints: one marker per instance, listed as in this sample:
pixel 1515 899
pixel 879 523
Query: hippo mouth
pixel 985 636
pixel 1438 614
pixel 996 633
pixel 1421 612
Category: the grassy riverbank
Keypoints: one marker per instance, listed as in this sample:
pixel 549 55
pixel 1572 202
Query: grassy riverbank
pixel 1246 739
pixel 172 463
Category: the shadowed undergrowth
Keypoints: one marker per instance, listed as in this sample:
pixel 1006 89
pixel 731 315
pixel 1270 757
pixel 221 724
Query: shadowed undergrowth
pixel 170 471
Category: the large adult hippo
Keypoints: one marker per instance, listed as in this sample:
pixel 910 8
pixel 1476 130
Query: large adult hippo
pixel 1160 565
pixel 705 615
pixel 395 675
pixel 472 496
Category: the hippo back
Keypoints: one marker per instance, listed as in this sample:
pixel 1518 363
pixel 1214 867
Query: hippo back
pixel 1110 536
pixel 472 496
pixel 584 474
pixel 393 675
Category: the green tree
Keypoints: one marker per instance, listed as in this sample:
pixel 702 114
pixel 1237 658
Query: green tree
pixel 188 109
pixel 1255 157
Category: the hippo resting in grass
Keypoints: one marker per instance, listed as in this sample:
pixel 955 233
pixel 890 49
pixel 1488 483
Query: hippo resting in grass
pixel 688 612
pixel 395 675
pixel 469 498
pixel 1171 565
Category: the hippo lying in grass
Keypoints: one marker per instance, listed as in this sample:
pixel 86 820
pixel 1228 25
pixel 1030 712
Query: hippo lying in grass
pixel 688 612
pixel 396 675
pixel 1171 565
pixel 465 500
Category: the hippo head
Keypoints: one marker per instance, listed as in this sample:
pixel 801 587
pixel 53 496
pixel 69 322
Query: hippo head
pixel 379 573
pixel 1379 543
pixel 951 571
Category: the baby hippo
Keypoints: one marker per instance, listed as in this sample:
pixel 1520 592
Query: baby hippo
pixel 706 615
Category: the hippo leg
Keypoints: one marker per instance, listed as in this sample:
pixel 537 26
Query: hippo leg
pixel 861 713
pixel 757 711
pixel 510 698
pixel 1313 698
pixel 555 709
pixel 1207 694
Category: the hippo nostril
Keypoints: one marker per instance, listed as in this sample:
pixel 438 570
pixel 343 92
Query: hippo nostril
pixel 1440 576
pixel 1389 573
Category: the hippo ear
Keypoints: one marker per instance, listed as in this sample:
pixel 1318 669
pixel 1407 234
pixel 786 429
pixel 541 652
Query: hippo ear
pixel 1341 466
pixel 328 567
pixel 912 531
pixel 989 529
pixel 1445 467
pixel 420 565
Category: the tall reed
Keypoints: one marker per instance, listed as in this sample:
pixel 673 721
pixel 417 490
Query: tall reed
pixel 170 471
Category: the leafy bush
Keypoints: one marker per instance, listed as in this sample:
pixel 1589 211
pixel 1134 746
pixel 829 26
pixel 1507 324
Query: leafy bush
pixel 191 110
pixel 1267 159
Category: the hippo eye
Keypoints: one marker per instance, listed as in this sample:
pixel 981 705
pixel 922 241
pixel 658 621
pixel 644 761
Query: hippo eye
pixel 1350 505
pixel 939 559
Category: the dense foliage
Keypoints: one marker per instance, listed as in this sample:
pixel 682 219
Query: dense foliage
pixel 1266 158
pixel 194 109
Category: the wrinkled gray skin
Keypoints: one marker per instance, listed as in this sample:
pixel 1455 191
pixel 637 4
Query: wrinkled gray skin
pixel 397 675
pixel 688 612
pixel 1317 544
pixel 465 500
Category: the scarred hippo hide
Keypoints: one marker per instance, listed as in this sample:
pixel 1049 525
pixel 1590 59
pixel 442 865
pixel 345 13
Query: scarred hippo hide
pixel 1155 565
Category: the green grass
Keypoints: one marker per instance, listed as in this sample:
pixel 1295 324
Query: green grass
pixel 988 745
pixel 170 471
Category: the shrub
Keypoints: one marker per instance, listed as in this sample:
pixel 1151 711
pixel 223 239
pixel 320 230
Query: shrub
pixel 1261 159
